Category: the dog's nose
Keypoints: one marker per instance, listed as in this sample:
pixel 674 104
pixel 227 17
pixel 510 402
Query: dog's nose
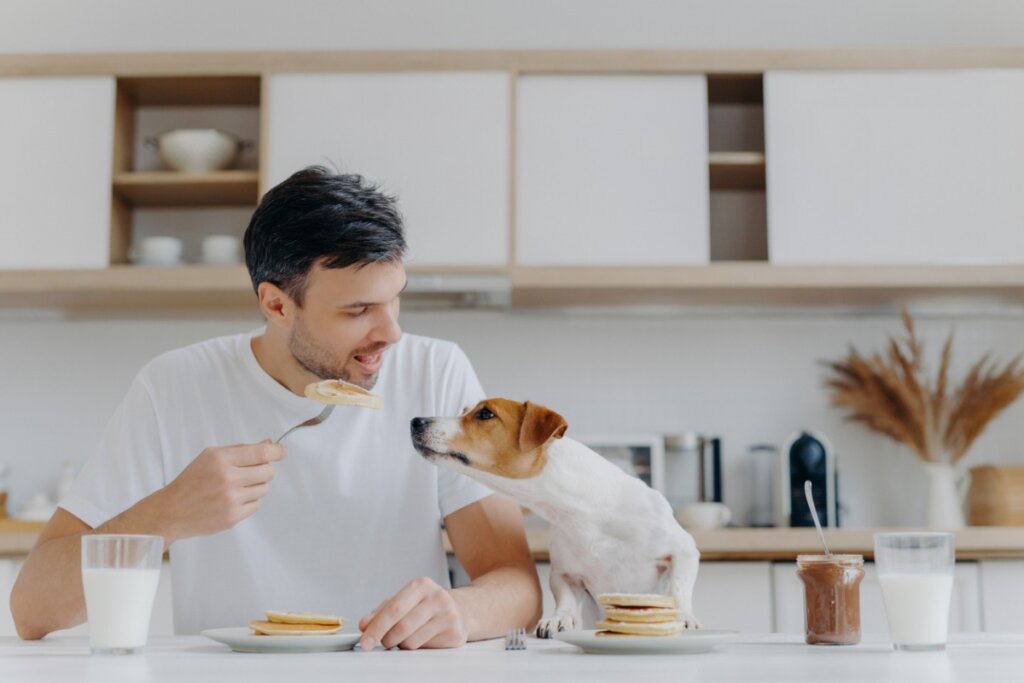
pixel 418 424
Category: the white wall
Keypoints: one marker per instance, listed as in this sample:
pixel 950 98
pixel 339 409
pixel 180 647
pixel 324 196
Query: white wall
pixel 748 377
pixel 126 25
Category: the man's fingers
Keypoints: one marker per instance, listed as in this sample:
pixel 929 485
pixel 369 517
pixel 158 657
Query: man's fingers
pixel 408 625
pixel 423 636
pixel 254 474
pixel 257 454
pixel 254 493
pixel 391 612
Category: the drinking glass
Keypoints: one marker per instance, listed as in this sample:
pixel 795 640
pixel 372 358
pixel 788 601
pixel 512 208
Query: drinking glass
pixel 915 571
pixel 120 573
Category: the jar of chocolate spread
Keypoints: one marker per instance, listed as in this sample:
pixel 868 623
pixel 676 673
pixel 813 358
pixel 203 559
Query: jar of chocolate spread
pixel 831 597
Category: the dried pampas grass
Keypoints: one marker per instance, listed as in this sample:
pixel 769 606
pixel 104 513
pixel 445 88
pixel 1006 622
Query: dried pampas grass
pixel 892 395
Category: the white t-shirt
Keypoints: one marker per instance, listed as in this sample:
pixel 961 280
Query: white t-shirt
pixel 353 513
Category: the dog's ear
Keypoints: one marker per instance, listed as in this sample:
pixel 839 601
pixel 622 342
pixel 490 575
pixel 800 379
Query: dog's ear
pixel 539 425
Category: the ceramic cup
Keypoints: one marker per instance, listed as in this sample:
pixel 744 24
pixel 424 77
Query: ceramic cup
pixel 224 250
pixel 703 515
pixel 157 251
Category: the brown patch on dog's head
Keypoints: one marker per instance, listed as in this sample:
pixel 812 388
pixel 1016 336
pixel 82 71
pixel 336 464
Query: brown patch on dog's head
pixel 502 437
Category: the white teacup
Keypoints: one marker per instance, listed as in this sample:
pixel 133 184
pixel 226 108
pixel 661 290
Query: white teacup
pixel 703 515
pixel 221 250
pixel 157 251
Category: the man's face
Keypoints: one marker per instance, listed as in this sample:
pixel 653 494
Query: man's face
pixel 348 318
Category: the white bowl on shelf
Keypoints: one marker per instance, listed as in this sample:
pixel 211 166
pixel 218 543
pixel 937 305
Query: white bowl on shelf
pixel 197 150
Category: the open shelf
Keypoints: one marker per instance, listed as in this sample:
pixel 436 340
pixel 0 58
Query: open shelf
pixel 172 188
pixel 737 170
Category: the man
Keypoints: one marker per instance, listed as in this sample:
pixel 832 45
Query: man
pixel 341 517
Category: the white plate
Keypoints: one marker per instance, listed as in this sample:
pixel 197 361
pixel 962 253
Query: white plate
pixel 241 639
pixel 687 642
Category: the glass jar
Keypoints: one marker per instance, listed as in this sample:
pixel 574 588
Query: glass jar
pixel 831 597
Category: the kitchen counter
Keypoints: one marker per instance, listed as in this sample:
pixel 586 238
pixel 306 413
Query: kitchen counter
pixel 972 543
pixel 983 657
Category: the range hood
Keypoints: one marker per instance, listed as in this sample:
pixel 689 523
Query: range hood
pixel 457 290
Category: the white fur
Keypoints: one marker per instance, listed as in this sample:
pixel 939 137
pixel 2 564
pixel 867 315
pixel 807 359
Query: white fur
pixel 610 533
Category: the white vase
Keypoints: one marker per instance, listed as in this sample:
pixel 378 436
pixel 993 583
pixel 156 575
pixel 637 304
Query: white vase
pixel 945 508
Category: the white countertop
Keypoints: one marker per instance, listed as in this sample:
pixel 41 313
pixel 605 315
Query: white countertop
pixel 975 657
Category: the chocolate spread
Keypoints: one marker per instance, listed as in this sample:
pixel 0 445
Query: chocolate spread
pixel 831 597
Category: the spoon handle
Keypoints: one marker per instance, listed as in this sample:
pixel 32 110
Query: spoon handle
pixel 814 515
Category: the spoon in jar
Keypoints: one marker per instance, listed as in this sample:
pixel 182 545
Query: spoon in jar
pixel 814 516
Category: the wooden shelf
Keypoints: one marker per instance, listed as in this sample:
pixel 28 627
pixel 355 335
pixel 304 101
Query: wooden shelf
pixel 173 188
pixel 757 284
pixel 737 170
pixel 194 288
pixel 217 91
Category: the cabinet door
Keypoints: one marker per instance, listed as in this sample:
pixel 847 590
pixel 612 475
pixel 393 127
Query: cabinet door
pixel 1002 599
pixel 611 170
pixel 55 170
pixel 895 167
pixel 734 595
pixel 440 141
pixel 964 614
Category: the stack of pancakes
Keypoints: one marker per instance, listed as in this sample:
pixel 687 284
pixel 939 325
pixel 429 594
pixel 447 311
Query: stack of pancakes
pixel 296 624
pixel 638 614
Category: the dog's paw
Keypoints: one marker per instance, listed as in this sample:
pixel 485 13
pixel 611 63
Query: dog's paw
pixel 689 622
pixel 552 625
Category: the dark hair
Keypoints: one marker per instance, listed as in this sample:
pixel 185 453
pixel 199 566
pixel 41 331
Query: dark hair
pixel 316 216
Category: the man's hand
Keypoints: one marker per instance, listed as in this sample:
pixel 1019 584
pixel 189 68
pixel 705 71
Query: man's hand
pixel 423 614
pixel 219 489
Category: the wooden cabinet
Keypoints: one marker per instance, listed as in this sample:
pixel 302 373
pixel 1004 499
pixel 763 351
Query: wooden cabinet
pixel 611 170
pixel 895 166
pixel 440 141
pixel 965 611
pixel 56 134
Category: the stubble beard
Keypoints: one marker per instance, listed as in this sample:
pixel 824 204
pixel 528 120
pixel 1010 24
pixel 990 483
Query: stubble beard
pixel 315 359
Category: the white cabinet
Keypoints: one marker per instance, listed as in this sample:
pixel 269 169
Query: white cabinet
pixel 612 170
pixel 439 141
pixel 161 623
pixel 56 137
pixel 908 167
pixel 1002 597
pixel 734 595
pixel 964 616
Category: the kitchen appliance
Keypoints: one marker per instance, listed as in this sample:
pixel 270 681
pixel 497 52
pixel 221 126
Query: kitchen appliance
pixel 763 460
pixel 806 456
pixel 693 467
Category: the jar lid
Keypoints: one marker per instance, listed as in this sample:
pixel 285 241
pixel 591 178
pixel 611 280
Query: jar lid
pixel 846 560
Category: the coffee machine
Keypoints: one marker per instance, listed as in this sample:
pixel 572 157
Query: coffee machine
pixel 807 456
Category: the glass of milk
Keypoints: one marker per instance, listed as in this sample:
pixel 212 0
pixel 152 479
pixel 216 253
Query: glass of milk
pixel 120 573
pixel 915 571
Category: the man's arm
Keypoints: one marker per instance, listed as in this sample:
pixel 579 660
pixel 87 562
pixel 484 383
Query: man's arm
pixel 217 490
pixel 490 542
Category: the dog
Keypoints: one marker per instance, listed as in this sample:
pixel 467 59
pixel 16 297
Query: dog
pixel 610 533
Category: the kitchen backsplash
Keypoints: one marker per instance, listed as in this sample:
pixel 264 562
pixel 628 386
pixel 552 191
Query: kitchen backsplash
pixel 746 377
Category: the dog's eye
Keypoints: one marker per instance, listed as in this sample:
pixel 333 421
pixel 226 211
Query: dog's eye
pixel 484 414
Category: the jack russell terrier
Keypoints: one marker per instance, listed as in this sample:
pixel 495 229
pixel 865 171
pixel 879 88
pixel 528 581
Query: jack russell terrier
pixel 610 533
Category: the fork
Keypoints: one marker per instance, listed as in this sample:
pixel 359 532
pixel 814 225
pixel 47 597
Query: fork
pixel 324 414
pixel 515 639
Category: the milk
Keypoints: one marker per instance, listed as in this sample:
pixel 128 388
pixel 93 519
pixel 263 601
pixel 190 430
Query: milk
pixel 917 606
pixel 118 603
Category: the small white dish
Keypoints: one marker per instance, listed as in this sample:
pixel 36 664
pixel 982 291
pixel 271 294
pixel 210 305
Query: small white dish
pixel 241 639
pixel 687 642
